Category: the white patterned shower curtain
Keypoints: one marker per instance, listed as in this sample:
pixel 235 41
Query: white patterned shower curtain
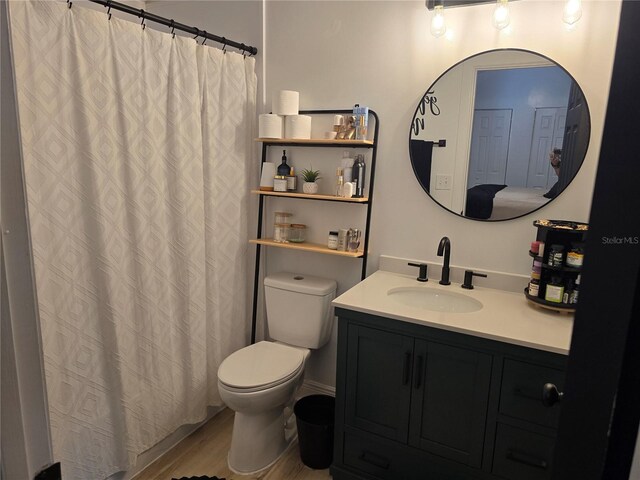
pixel 136 150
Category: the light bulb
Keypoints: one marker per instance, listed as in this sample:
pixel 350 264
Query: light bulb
pixel 501 15
pixel 438 25
pixel 572 11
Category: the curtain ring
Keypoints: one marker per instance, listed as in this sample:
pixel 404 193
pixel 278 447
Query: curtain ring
pixel 173 29
pixel 204 36
pixel 69 3
pixel 244 50
pixel 197 33
pixel 109 9
pixel 224 45
pixel 143 15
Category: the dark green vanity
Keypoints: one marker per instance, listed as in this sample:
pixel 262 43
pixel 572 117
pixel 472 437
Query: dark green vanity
pixel 417 402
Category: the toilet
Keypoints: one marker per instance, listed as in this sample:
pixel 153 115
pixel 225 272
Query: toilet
pixel 259 382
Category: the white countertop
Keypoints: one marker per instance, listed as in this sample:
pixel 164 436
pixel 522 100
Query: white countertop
pixel 505 316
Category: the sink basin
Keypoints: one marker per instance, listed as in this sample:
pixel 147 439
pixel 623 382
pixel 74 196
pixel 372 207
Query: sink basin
pixel 434 299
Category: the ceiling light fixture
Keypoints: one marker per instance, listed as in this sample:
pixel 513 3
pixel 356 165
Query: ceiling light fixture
pixel 438 25
pixel 572 11
pixel 501 16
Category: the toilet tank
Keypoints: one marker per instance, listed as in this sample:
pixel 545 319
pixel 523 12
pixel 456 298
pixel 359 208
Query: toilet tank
pixel 299 308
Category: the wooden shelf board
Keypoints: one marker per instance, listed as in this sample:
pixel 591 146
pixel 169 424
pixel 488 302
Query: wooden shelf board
pixel 315 141
pixel 306 246
pixel 332 198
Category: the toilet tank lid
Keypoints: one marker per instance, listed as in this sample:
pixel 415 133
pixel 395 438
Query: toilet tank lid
pixel 296 282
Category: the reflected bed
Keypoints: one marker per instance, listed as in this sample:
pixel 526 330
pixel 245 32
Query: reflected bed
pixel 499 202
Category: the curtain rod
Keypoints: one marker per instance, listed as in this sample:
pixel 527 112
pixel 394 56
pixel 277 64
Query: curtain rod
pixel 138 12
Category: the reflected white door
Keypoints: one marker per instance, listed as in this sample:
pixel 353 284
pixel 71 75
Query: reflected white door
pixel 548 132
pixel 489 147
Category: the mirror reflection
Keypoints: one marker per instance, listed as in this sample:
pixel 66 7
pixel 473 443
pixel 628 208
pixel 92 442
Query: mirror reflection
pixel 499 135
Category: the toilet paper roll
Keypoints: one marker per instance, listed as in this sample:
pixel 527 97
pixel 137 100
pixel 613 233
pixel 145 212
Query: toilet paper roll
pixel 270 126
pixel 297 126
pixel 285 102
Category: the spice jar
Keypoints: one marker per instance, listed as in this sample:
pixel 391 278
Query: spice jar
pixel 535 247
pixel 555 256
pixel 554 291
pixel 297 233
pixel 537 266
pixel 281 232
pixel 575 256
pixel 573 297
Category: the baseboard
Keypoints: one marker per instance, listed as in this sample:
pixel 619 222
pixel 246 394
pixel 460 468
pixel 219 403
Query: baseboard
pixel 309 387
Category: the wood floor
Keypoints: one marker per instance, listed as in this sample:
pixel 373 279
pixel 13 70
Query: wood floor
pixel 204 452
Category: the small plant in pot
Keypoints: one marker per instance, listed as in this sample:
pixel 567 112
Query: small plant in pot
pixel 310 177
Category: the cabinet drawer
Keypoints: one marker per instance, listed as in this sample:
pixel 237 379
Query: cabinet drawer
pixel 373 457
pixel 522 455
pixel 521 393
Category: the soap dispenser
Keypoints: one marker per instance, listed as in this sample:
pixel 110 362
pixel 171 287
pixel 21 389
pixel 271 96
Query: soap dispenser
pixel 284 170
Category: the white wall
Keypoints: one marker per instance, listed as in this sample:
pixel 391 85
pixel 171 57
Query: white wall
pixel 381 54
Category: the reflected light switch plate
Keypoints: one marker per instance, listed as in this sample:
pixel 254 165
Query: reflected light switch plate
pixel 443 182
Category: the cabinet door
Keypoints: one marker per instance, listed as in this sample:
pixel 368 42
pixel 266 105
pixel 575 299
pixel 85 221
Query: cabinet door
pixel 449 401
pixel 378 381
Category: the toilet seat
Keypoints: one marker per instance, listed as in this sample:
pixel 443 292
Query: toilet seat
pixel 260 366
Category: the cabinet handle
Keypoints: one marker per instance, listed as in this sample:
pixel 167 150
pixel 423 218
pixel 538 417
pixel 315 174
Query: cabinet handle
pixel 551 395
pixel 374 459
pixel 406 367
pixel 527 459
pixel 417 380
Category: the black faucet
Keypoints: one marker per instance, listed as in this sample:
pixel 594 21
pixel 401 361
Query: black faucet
pixel 445 247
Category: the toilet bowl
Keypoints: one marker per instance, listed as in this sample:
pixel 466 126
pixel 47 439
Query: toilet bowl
pixel 259 382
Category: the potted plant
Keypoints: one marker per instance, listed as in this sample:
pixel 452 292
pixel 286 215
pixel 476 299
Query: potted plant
pixel 310 177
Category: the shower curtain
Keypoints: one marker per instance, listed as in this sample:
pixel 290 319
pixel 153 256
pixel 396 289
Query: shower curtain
pixel 136 150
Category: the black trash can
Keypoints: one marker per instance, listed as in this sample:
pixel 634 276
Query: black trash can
pixel 314 419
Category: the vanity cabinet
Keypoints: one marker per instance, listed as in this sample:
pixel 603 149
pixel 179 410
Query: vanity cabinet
pixel 424 403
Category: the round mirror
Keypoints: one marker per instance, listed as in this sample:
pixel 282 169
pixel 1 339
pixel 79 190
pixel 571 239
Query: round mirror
pixel 499 135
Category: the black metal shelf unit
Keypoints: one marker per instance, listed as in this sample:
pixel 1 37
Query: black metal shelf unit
pixel 320 144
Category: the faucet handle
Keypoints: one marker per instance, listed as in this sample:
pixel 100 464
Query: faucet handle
pixel 422 276
pixel 468 278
